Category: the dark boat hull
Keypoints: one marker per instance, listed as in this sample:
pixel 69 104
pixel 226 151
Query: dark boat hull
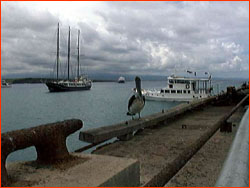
pixel 55 87
pixel 121 82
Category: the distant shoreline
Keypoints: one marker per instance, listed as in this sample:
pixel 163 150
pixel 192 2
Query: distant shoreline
pixel 44 80
pixel 41 80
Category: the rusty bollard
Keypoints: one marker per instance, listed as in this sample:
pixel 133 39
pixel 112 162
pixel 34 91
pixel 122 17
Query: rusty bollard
pixel 49 141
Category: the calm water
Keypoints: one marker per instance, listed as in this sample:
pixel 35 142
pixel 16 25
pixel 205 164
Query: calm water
pixel 28 105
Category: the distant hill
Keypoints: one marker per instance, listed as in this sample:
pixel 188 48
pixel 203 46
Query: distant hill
pixel 39 80
pixel 27 80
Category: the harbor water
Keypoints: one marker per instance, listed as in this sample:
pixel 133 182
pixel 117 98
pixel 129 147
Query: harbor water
pixel 29 105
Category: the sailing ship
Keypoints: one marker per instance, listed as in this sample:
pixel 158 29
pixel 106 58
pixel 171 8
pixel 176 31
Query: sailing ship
pixel 80 83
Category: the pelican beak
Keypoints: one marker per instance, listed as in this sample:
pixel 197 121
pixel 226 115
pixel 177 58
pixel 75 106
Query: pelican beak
pixel 138 85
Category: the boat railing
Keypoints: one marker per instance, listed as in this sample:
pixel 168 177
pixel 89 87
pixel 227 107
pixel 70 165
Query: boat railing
pixel 202 91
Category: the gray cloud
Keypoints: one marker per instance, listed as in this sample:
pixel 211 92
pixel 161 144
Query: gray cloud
pixel 152 38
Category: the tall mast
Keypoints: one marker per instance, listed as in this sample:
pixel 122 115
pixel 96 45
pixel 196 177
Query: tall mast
pixel 57 52
pixel 68 52
pixel 78 56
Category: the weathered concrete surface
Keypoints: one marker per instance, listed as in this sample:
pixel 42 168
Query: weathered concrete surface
pixel 235 172
pixel 203 169
pixel 83 170
pixel 162 150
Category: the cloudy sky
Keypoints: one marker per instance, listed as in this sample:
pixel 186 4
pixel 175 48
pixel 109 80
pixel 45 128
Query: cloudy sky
pixel 127 38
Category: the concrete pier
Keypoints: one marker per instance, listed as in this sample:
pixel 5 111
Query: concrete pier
pixel 203 169
pixel 235 171
pixel 83 170
pixel 164 149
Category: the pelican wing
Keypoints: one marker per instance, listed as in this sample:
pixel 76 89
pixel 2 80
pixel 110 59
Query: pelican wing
pixel 131 101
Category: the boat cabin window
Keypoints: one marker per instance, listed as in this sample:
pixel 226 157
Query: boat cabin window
pixel 170 86
pixel 194 86
pixel 184 91
pixel 173 91
pixel 171 81
pixel 178 91
pixel 182 81
pixel 162 91
pixel 188 91
pixel 166 91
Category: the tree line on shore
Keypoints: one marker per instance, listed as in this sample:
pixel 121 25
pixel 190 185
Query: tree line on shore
pixel 40 80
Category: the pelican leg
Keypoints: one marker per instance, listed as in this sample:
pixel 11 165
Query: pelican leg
pixel 139 115
pixel 132 117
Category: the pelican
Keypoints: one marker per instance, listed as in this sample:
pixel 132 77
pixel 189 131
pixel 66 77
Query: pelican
pixel 137 101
